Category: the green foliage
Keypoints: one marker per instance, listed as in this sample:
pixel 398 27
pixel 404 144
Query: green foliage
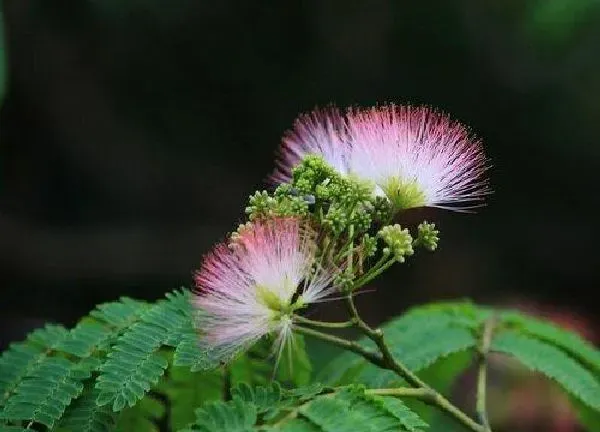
pixel 305 410
pixel 421 337
pixel 441 376
pixel 552 362
pixel 84 415
pixel 134 363
pixel 408 418
pixel 21 358
pixel 583 351
pixel 131 366
pixel 234 416
pixel 45 393
pixel 144 416
pixel 186 389
pixel 426 338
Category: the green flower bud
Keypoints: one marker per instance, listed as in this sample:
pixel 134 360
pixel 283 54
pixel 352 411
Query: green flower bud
pixel 428 236
pixel 344 281
pixel 369 245
pixel 382 209
pixel 398 241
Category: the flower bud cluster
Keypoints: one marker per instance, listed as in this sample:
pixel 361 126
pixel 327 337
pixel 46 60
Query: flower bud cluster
pixel 427 236
pixel 398 241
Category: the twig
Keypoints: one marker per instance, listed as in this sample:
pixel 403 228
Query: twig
pixel 343 343
pixel 428 394
pixel 386 361
pixel 323 324
pixel 484 349
pixel 376 335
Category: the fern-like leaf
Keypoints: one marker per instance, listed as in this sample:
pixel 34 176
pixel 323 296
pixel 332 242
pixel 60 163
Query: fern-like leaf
pixel 120 314
pixel 360 413
pixel 552 362
pixel 134 363
pixel 84 415
pixel 408 418
pixel 263 398
pixel 298 425
pixel 188 353
pixel 143 417
pixel 23 357
pixel 84 339
pixel 421 337
pixel 44 394
pixel 233 416
pixel 312 409
pixel 583 351
pixel 187 390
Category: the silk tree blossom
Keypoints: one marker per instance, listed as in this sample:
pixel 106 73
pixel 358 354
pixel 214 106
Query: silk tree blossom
pixel 415 156
pixel 253 286
pixel 321 132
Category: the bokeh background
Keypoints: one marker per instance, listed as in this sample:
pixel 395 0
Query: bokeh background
pixel 131 134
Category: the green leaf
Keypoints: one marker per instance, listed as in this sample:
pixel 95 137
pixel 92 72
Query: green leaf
pixel 134 364
pixel 408 418
pixel 441 376
pixel 233 416
pixel 142 417
pixel 263 398
pixel 578 348
pixel 120 314
pixel 349 411
pixel 84 415
pixel 298 425
pixel 294 366
pixel 13 429
pixel 420 337
pixel 587 417
pixel 187 390
pixel 44 394
pixel 552 362
pixel 84 338
pixel 16 363
pixel 188 353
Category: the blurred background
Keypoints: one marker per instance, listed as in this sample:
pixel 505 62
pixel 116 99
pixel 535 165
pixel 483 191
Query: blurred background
pixel 131 134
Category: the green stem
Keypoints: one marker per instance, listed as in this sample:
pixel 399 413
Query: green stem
pixel 351 251
pixel 343 343
pixel 422 391
pixel 418 393
pixel 430 396
pixel 323 324
pixel 484 349
pixel 376 335
pixel 382 265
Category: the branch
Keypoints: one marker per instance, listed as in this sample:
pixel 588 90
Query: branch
pixel 376 335
pixel 343 343
pixel 422 390
pixel 323 324
pixel 484 349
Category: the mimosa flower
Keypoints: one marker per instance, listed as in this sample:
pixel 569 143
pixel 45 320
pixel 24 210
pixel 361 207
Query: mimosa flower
pixel 252 287
pixel 415 156
pixel 321 132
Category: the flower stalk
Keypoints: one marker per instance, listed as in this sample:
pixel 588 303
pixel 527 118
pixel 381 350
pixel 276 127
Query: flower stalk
pixel 385 360
pixel 483 351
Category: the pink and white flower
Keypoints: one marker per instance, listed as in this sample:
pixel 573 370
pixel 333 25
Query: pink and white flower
pixel 253 286
pixel 321 132
pixel 415 156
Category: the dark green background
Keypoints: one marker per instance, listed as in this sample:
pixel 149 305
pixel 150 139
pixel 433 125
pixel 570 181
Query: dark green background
pixel 133 131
